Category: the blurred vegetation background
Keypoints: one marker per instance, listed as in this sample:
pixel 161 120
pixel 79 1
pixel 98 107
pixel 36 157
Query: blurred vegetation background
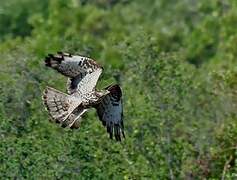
pixel 176 63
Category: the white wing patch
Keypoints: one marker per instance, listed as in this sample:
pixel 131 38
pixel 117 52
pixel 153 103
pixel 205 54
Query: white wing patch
pixel 83 72
pixel 88 83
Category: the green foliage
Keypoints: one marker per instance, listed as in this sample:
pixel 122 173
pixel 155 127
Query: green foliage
pixel 14 20
pixel 177 71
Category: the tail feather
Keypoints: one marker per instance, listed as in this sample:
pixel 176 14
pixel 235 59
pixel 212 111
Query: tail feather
pixel 59 105
pixel 74 117
pixel 75 124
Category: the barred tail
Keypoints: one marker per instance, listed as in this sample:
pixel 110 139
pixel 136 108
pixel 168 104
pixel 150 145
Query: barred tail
pixel 59 105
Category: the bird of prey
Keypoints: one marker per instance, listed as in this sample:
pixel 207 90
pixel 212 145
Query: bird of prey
pixel 83 74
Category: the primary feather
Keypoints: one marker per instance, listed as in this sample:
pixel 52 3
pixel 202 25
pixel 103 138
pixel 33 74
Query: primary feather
pixel 110 112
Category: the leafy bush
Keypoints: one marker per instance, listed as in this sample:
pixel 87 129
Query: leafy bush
pixel 178 75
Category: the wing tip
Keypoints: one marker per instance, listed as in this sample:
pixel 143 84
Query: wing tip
pixel 52 60
pixel 64 54
pixel 117 133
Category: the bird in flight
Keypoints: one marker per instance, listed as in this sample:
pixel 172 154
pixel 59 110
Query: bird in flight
pixel 83 74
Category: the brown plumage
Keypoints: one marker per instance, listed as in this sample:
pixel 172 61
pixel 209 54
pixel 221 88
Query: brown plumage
pixel 83 74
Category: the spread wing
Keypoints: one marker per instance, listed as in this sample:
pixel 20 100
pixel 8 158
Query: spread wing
pixel 110 112
pixel 83 72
